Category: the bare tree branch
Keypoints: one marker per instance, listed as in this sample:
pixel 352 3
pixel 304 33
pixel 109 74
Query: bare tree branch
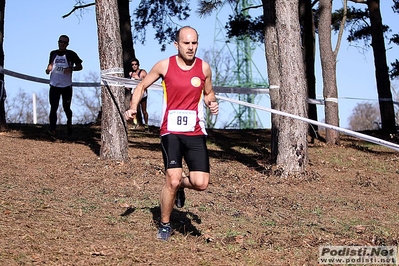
pixel 252 7
pixel 76 8
pixel 341 27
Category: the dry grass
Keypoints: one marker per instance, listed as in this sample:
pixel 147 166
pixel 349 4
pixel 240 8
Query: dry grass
pixel 61 205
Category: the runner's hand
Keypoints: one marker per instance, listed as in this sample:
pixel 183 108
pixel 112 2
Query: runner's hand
pixel 130 114
pixel 213 107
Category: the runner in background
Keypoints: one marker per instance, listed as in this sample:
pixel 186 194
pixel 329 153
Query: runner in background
pixel 138 74
pixel 62 63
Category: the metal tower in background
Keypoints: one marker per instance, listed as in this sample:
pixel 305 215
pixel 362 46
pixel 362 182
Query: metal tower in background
pixel 244 72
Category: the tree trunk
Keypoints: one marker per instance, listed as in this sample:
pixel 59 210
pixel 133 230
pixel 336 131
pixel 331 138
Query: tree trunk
pixel 273 69
pixel 381 67
pixel 127 47
pixel 329 69
pixel 113 125
pixel 292 147
pixel 126 35
pixel 308 42
pixel 3 124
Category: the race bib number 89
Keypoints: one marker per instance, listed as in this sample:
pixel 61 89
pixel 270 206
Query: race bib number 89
pixel 181 120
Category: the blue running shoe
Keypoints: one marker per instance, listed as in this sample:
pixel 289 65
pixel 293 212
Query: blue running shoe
pixel 164 233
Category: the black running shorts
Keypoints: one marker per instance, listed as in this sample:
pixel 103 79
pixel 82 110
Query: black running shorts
pixel 192 148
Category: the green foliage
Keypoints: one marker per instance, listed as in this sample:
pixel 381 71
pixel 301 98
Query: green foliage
pixel 394 72
pixel 395 6
pixel 207 7
pixel 395 39
pixel 358 23
pixel 241 26
pixel 355 17
pixel 360 29
pixel 159 15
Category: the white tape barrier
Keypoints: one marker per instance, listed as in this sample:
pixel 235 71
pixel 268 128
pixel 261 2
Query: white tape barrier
pixel 346 131
pixel 41 80
pixel 322 102
pixel 106 78
pixel 131 83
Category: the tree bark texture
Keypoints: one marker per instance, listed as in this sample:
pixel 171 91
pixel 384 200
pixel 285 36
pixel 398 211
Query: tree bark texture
pixel 292 146
pixel 113 125
pixel 3 124
pixel 127 48
pixel 329 72
pixel 308 43
pixel 273 69
pixel 126 35
pixel 381 67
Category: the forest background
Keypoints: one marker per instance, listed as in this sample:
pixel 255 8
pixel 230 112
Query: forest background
pixel 355 68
